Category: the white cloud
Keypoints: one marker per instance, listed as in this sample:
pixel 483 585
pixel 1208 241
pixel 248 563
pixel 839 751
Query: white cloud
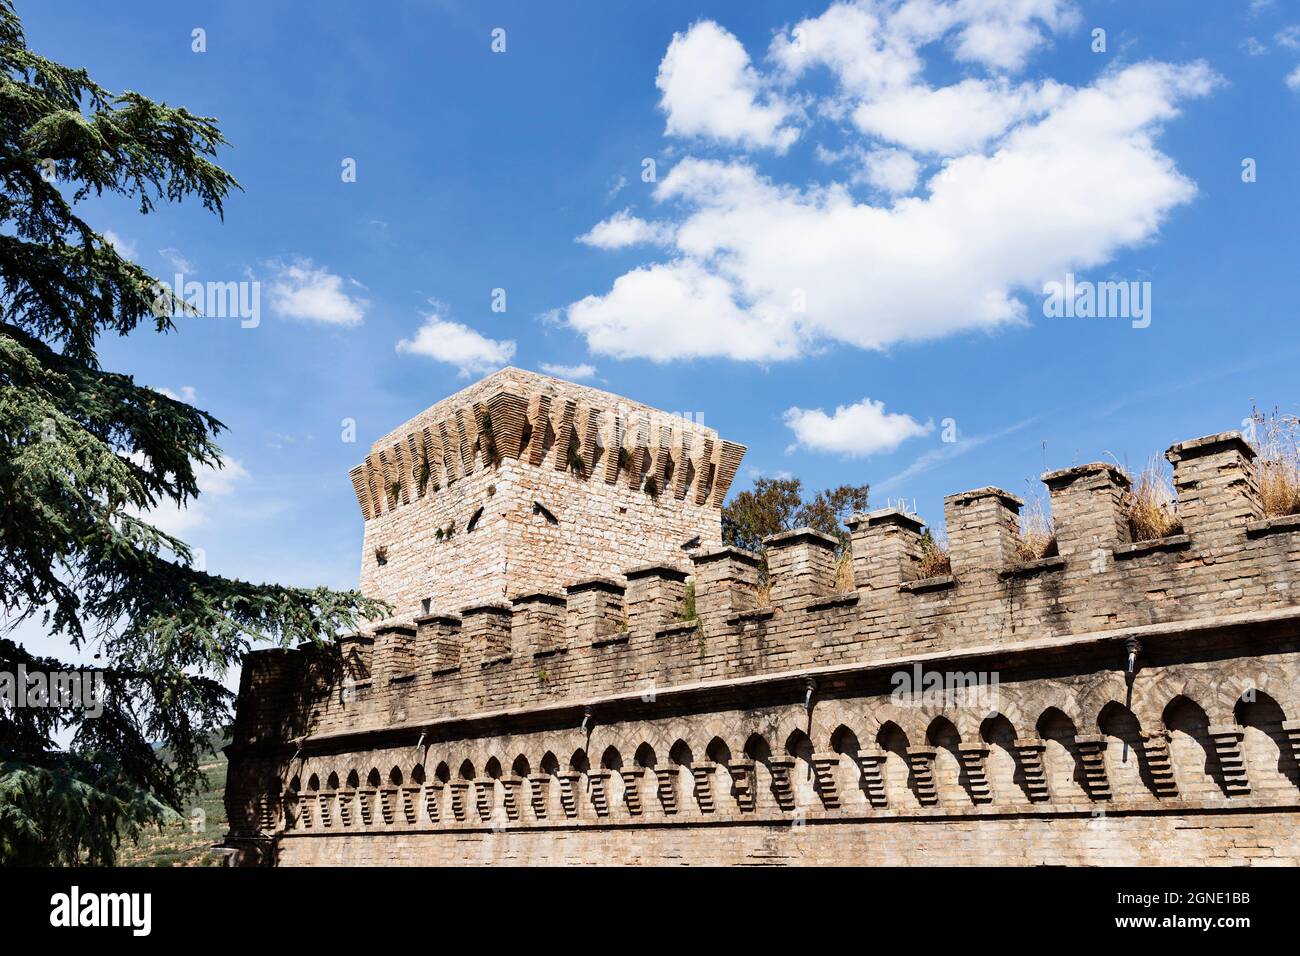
pixel 710 90
pixel 624 229
pixel 125 248
pixel 1289 37
pixel 1001 34
pixel 954 119
pixel 892 170
pixel 572 372
pixel 857 430
pixel 678 310
pixel 458 345
pixel 177 260
pixel 185 393
pixel 300 290
pixel 1047 179
pixel 1293 79
pixel 856 43
pixel 873 46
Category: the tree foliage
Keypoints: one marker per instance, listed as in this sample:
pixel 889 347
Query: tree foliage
pixel 86 454
pixel 777 504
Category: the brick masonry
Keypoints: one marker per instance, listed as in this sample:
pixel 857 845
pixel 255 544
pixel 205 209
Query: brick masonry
pixel 987 716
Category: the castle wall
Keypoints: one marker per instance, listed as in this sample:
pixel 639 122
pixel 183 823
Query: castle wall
pixel 599 727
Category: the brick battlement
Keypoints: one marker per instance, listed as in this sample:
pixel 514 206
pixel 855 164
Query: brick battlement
pixel 743 715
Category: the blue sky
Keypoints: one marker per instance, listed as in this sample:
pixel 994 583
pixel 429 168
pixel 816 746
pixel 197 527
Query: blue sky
pixel 914 174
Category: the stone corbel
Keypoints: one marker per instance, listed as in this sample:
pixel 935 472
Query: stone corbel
pixel 703 771
pixel 569 791
pixel 510 796
pixel 632 789
pixel 871 763
pixel 742 784
pixel 1227 744
pixel 1092 754
pixel 598 788
pixel 1030 751
pixel 540 784
pixel 826 768
pixel 921 760
pixel 459 800
pixel 667 787
pixel 782 781
pixel 974 757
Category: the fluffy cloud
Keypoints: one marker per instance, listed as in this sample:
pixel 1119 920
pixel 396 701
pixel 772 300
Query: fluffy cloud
pixel 1293 79
pixel 709 89
pixel 955 119
pixel 300 290
pixel 892 170
pixel 678 310
pixel 857 430
pixel 1039 178
pixel 458 345
pixel 624 229
pixel 574 373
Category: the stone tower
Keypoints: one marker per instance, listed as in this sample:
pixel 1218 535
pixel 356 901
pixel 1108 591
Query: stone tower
pixel 523 483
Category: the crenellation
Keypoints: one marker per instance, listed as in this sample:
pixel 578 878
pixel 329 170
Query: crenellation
pixel 983 529
pixel 1088 508
pixel 801 565
pixel 726 584
pixel 538 624
pixel 595 611
pixel 486 631
pixel 438 642
pixel 886 549
pixel 656 596
pixel 394 651
pixel 1214 478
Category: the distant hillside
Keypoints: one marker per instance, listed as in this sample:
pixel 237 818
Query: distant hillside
pixel 178 844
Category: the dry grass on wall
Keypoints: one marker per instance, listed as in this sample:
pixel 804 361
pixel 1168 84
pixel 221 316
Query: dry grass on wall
pixel 1276 439
pixel 1150 505
pixel 844 579
pixel 1037 533
pixel 935 560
